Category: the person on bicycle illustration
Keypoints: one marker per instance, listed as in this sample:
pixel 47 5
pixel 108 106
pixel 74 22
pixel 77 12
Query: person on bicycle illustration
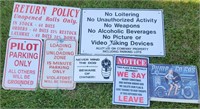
pixel 171 78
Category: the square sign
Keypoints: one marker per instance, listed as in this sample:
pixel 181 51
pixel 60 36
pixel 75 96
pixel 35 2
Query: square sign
pixel 22 64
pixel 131 81
pixel 57 72
pixel 93 69
pixel 45 21
pixel 122 31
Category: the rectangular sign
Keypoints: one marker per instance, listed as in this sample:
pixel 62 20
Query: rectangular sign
pixel 131 84
pixel 90 68
pixel 22 64
pixel 58 61
pixel 122 31
pixel 45 21
pixel 174 83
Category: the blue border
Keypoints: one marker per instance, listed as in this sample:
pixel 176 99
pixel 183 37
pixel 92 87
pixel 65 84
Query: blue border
pixel 114 85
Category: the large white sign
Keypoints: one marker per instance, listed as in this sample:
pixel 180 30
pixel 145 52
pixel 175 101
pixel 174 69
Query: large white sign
pixel 131 84
pixel 124 31
pixel 58 61
pixel 93 68
pixel 44 21
pixel 22 64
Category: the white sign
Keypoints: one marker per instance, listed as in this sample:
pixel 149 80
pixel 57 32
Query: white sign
pixel 93 69
pixel 44 21
pixel 22 64
pixel 58 61
pixel 126 31
pixel 131 81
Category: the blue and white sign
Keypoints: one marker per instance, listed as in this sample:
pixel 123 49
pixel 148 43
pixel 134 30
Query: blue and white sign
pixel 174 83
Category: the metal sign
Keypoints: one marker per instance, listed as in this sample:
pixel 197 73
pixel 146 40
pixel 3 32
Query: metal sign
pixel 22 64
pixel 58 61
pixel 174 83
pixel 122 31
pixel 131 84
pixel 45 21
pixel 90 68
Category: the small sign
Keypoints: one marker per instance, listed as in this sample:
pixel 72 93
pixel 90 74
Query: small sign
pixel 58 61
pixel 131 81
pixel 122 31
pixel 22 64
pixel 174 83
pixel 45 21
pixel 93 68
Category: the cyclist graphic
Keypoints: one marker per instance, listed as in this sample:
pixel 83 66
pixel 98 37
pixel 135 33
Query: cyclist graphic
pixel 172 78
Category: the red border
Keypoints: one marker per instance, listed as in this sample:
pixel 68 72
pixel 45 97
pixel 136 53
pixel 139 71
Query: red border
pixel 5 65
pixel 42 73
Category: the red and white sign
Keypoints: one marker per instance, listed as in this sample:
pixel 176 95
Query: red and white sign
pixel 45 21
pixel 58 61
pixel 22 64
pixel 131 81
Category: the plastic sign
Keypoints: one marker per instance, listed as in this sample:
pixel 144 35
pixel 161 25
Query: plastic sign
pixel 58 61
pixel 124 31
pixel 130 85
pixel 45 21
pixel 22 64
pixel 93 68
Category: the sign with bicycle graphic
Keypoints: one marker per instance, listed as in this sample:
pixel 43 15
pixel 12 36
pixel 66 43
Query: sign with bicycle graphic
pixel 174 83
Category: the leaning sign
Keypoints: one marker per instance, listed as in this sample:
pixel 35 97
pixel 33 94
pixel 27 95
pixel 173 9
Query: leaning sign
pixel 22 64
pixel 124 31
pixel 45 21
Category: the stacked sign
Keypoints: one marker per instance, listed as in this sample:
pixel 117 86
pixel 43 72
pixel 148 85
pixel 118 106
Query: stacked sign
pixel 44 39
pixel 129 32
pixel 59 27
